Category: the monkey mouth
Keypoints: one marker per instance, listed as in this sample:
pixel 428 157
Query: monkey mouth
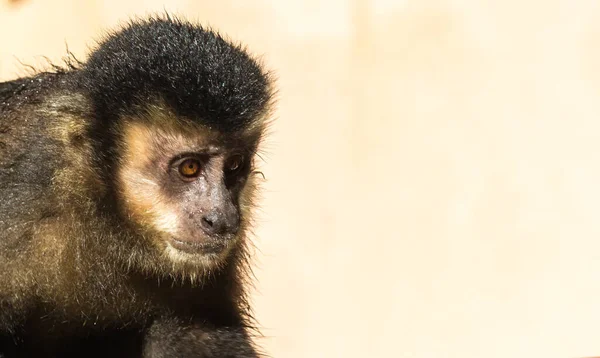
pixel 196 247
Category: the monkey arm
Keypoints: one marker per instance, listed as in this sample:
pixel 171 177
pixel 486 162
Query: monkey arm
pixel 170 337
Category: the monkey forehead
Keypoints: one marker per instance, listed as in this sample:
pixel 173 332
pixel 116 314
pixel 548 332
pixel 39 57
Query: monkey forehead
pixel 158 130
pixel 145 139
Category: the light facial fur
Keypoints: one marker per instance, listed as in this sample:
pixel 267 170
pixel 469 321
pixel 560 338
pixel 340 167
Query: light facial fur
pixel 148 145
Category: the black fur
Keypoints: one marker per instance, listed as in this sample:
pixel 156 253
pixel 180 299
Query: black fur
pixel 80 295
pixel 196 71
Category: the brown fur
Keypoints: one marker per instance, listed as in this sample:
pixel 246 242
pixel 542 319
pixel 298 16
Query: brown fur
pixel 106 248
pixel 101 279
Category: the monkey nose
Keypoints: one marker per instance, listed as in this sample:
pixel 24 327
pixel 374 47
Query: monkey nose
pixel 219 223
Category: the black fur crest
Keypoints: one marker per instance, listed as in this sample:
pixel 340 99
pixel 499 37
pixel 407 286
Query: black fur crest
pixel 211 80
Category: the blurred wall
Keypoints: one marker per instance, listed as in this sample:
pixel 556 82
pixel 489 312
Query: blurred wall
pixel 433 174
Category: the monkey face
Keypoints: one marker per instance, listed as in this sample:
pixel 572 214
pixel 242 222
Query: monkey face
pixel 183 184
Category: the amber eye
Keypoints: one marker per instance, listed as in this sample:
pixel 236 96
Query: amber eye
pixel 234 163
pixel 189 168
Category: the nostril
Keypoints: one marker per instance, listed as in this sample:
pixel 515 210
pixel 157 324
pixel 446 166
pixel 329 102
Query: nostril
pixel 213 223
pixel 208 222
pixel 218 223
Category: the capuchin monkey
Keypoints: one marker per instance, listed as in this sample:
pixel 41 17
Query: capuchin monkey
pixel 126 193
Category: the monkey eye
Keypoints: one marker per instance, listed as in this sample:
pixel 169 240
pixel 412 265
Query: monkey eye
pixel 234 163
pixel 189 168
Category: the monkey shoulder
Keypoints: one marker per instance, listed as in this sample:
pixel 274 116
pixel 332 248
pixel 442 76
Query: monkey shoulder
pixel 28 159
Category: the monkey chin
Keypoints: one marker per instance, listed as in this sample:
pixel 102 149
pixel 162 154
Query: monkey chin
pixel 204 255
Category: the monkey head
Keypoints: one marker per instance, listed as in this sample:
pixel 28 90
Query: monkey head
pixel 178 114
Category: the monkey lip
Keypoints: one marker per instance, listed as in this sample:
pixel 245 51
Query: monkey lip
pixel 196 247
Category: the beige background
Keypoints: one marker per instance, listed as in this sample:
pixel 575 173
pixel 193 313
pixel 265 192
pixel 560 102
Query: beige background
pixel 433 174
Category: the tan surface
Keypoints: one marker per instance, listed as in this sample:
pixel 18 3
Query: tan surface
pixel 433 175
